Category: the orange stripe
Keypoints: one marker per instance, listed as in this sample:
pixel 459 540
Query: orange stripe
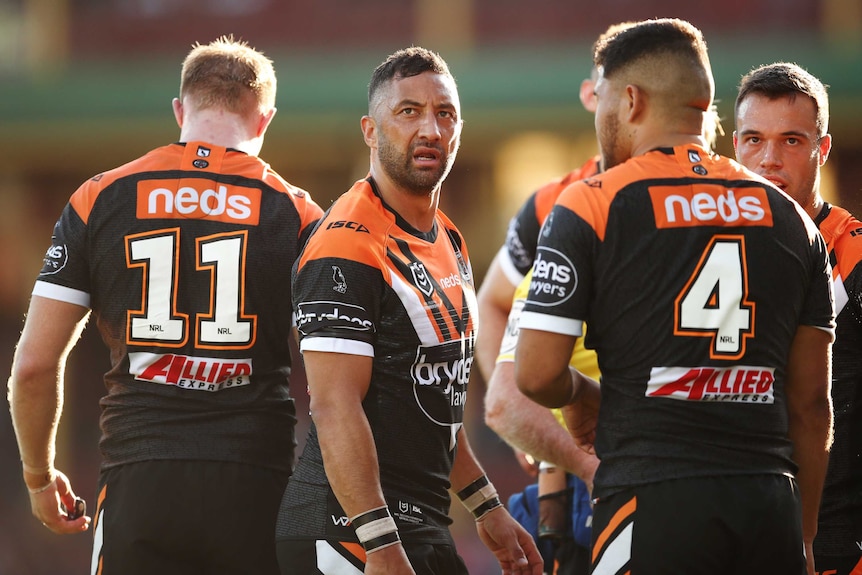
pixel 354 549
pixel 99 501
pixel 621 515
pixel 857 570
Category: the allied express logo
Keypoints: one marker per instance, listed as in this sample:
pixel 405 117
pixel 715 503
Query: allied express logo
pixel 198 198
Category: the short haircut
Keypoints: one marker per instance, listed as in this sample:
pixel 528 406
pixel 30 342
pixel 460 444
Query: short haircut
pixel 404 64
pixel 617 49
pixel 228 74
pixel 785 79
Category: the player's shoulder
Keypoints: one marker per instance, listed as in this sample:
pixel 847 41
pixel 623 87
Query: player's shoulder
pixel 354 227
pixel 546 195
pixel 86 195
pixel 840 224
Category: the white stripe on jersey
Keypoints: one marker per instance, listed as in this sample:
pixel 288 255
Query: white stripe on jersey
pixel 335 345
pixel 551 323
pixel 61 293
pixel 508 266
pixel 841 297
pixel 425 328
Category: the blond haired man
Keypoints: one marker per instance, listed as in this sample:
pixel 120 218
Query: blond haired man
pixel 183 256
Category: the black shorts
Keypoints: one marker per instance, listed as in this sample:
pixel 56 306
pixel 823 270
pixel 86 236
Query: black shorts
pixel 745 525
pixel 838 565
pixel 182 517
pixel 329 557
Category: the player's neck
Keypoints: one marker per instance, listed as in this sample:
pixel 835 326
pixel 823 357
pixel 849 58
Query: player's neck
pixel 418 210
pixel 221 129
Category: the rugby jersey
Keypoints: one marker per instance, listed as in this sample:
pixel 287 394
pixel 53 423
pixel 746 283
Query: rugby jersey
pixel 184 256
pixel 369 284
pixel 840 520
pixel 693 275
pixel 522 233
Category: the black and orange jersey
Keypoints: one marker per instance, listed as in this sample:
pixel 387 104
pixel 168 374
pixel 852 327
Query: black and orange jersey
pixel 840 525
pixel 522 234
pixel 184 256
pixel 693 275
pixel 369 284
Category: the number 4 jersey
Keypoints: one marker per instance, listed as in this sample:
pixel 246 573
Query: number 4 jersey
pixel 184 255
pixel 693 275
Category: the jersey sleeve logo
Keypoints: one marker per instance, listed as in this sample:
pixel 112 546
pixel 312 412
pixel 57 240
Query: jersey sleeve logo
pixel 315 315
pixel 55 259
pixel 339 279
pixel 554 278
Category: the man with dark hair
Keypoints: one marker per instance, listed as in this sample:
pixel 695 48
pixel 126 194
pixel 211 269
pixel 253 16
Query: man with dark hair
pixel 184 256
pixel 715 413
pixel 782 133
pixel 385 308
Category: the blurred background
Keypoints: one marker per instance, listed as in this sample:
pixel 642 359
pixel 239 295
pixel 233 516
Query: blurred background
pixel 86 85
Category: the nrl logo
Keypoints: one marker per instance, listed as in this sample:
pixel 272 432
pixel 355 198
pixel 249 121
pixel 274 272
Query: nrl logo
pixel 421 279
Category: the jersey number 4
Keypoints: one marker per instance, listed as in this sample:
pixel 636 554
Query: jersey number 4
pixel 714 302
pixel 158 323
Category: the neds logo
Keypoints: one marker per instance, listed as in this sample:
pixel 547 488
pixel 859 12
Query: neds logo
pixel 676 207
pixel 198 198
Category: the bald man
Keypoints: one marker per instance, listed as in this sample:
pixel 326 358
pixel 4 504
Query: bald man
pixel 709 299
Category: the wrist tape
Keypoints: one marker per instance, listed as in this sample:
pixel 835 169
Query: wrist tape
pixel 480 497
pixel 375 529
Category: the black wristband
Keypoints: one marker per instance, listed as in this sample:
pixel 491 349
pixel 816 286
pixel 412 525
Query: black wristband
pixel 369 516
pixel 473 487
pixel 384 540
pixel 487 506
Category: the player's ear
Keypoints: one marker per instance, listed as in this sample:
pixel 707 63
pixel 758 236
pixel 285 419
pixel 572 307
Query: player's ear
pixel 264 121
pixel 825 146
pixel 636 100
pixel 369 131
pixel 177 106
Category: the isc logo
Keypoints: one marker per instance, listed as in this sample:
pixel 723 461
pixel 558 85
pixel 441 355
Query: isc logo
pixel 197 198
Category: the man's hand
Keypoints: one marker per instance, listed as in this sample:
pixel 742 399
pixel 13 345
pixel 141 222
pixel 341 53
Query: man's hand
pixel 510 543
pixel 56 507
pixel 582 413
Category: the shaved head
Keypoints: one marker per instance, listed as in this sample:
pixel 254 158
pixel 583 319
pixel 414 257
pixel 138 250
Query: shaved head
pixel 667 58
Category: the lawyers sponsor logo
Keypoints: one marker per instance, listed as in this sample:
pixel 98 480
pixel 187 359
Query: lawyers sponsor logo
pixel 737 384
pixel 314 315
pixel 198 198
pixel 55 259
pixel 554 278
pixel 197 373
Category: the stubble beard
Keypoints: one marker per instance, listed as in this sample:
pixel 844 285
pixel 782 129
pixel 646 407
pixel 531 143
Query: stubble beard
pixel 416 181
pixel 609 142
